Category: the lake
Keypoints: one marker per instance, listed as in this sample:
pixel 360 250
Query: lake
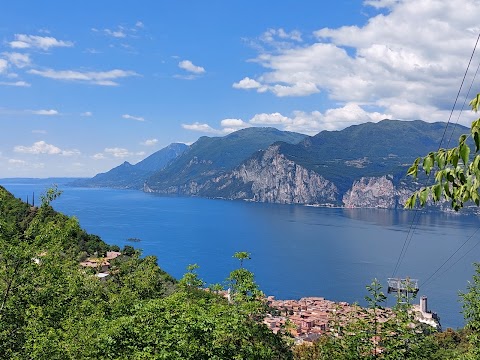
pixel 296 250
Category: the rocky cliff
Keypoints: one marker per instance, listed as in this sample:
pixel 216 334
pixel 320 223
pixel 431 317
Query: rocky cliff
pixel 271 177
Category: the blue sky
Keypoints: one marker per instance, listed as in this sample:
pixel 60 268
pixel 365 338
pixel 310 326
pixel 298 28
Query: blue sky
pixel 87 85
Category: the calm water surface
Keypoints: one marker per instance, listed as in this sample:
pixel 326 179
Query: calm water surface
pixel 296 250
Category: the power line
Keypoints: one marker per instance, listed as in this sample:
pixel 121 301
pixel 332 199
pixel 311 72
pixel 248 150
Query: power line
pixel 451 256
pixel 411 230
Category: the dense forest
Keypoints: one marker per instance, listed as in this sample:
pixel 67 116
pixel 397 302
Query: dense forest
pixel 51 307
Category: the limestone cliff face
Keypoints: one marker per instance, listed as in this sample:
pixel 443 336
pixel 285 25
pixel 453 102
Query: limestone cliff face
pixel 376 192
pixel 273 178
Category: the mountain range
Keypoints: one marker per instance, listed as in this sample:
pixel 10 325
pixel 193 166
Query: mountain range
pixel 360 166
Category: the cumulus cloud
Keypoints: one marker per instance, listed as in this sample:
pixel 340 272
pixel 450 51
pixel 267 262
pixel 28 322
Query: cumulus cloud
pixel 41 147
pixel 270 119
pixel 247 83
pixel 149 142
pixel 23 41
pixel 17 59
pixel 50 112
pixel 405 61
pixel 15 83
pixel 104 78
pixel 205 128
pixel 131 117
pixel 86 114
pixel 187 65
pixel 309 123
pixel 227 126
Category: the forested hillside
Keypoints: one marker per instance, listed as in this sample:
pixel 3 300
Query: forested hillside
pixel 52 308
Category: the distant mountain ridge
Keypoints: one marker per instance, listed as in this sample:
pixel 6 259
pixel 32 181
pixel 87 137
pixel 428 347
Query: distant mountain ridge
pixel 361 166
pixel 128 176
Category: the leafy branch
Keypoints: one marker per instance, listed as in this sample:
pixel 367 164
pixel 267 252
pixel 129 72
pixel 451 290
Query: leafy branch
pixel 457 173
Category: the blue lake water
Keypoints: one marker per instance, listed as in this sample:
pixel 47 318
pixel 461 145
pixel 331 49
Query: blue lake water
pixel 296 250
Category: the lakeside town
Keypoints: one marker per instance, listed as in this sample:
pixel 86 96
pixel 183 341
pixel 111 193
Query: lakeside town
pixel 308 318
pixel 305 319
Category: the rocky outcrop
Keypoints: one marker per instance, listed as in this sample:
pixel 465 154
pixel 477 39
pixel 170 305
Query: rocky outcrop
pixel 369 192
pixel 271 177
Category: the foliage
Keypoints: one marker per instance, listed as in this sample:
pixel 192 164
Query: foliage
pixel 457 173
pixel 51 308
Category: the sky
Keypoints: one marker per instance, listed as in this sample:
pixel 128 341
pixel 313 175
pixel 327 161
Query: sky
pixel 87 85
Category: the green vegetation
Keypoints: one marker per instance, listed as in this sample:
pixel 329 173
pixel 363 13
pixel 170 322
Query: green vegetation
pixel 52 308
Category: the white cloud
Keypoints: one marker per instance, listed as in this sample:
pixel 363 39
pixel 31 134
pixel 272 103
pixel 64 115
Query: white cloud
pixel 23 41
pixel 407 60
pixel 227 126
pixel 309 123
pixel 196 126
pixel 41 147
pixel 247 83
pixel 234 123
pixel 231 125
pixel 118 152
pixel 187 65
pixel 50 112
pixel 99 156
pixel 18 59
pixel 15 83
pixel 43 132
pixel 149 142
pixel 270 119
pixel 271 35
pixel 131 117
pixel 104 78
pixel 333 119
pixel 139 24
pixel 86 114
pixel 119 33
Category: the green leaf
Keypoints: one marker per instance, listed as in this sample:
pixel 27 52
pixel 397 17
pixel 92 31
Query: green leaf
pixel 464 153
pixel 441 158
pixel 428 163
pixel 437 192
pixel 423 196
pixel 475 103
pixel 413 170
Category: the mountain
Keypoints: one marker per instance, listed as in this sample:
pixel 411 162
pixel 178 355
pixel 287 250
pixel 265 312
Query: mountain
pixel 210 157
pixel 128 176
pixel 360 166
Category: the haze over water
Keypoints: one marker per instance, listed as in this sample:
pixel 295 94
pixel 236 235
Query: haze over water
pixel 296 250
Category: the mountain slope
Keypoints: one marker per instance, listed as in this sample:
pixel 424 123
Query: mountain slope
pixel 128 176
pixel 360 166
pixel 211 157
